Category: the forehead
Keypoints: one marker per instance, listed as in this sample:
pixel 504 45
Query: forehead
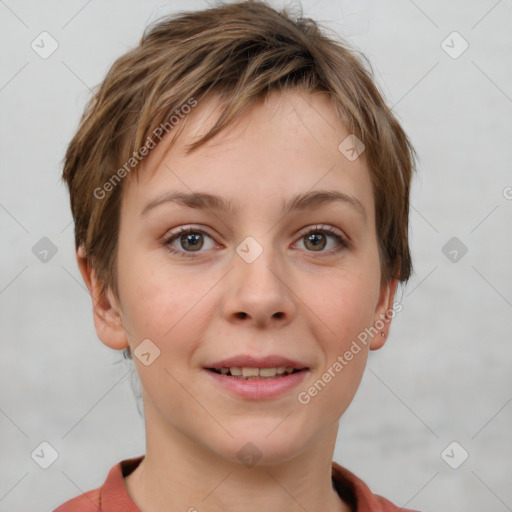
pixel 284 145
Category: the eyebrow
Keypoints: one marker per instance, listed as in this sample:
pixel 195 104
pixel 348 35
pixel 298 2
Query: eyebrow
pixel 308 200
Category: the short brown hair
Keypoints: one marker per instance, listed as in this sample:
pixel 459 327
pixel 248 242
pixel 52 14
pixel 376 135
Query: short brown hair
pixel 240 52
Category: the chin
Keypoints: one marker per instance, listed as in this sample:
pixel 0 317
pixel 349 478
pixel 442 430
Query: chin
pixel 271 443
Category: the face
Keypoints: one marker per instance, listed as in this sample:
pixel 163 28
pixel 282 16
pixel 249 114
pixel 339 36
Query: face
pixel 257 280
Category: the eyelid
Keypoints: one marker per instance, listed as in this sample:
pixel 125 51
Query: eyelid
pixel 322 227
pixel 185 228
pixel 302 232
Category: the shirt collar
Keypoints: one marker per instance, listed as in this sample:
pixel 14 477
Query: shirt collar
pixel 115 497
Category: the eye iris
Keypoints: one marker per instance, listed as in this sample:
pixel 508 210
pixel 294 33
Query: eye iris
pixel 191 238
pixel 314 238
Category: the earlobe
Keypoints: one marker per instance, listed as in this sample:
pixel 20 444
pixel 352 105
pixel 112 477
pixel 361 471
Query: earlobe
pixel 384 314
pixel 106 312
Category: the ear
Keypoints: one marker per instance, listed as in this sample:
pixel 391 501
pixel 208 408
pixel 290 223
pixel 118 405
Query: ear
pixel 107 317
pixel 384 313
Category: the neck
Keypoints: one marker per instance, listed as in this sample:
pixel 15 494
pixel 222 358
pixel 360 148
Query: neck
pixel 177 472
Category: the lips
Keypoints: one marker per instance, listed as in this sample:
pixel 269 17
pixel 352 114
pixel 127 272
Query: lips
pixel 257 378
pixel 247 361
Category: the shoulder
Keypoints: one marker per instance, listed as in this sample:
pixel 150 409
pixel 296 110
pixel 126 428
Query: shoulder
pixel 387 506
pixel 112 496
pixel 357 494
pixel 87 502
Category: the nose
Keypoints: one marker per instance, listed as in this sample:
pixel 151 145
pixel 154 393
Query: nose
pixel 259 292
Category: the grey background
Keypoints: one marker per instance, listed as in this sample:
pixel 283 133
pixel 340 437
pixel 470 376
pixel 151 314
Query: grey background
pixel 444 374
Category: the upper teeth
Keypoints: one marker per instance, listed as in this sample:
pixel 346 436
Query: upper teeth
pixel 256 372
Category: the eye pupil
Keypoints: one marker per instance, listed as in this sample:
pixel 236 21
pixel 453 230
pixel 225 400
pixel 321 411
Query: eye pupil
pixel 314 238
pixel 192 238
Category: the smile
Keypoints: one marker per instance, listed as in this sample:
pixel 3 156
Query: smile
pixel 257 383
pixel 246 372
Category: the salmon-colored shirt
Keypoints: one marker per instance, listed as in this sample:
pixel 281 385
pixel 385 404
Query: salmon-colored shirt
pixel 112 496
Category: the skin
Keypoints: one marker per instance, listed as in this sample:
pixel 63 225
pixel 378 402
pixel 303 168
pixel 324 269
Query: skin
pixel 189 307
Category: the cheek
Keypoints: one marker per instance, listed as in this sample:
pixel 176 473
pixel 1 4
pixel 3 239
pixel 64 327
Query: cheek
pixel 162 303
pixel 346 308
pixel 343 306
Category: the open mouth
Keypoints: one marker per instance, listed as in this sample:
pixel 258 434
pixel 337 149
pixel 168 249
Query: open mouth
pixel 246 373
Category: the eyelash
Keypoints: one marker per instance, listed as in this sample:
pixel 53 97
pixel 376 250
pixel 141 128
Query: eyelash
pixel 316 229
